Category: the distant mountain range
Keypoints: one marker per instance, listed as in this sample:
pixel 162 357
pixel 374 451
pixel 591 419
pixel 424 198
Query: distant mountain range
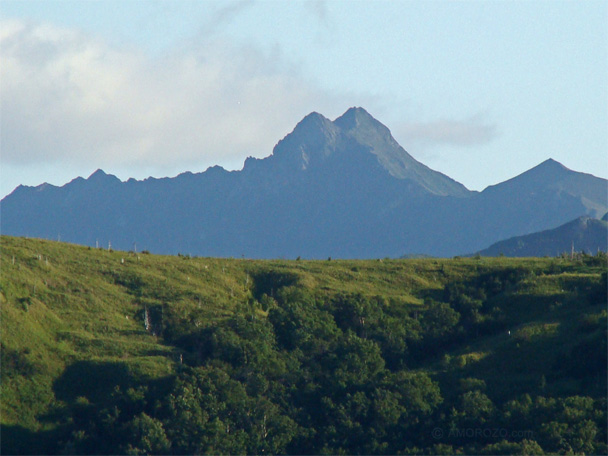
pixel 584 234
pixel 344 189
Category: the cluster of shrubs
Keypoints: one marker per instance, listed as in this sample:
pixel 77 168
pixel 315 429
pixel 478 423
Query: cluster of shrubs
pixel 294 372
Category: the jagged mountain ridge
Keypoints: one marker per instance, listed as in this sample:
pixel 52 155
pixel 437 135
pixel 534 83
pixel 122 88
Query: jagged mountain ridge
pixel 344 189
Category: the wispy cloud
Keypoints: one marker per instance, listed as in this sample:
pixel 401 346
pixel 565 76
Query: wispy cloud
pixel 69 98
pixel 318 8
pixel 469 132
pixel 225 14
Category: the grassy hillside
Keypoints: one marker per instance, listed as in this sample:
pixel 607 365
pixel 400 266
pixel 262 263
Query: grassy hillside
pixel 91 336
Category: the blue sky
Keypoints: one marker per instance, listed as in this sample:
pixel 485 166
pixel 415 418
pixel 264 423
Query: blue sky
pixel 479 90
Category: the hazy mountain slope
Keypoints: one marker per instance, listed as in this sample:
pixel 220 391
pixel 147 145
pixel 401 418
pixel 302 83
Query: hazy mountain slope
pixel 584 234
pixel 553 176
pixel 343 189
pixel 544 197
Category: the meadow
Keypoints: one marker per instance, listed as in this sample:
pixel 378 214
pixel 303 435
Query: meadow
pixel 113 352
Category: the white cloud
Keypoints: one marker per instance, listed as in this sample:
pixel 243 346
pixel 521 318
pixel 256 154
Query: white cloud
pixel 70 103
pixel 67 97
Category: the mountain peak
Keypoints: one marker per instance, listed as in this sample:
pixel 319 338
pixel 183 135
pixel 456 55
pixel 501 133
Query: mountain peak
pixel 98 174
pixel 356 112
pixel 547 170
pixel 354 136
pixel 313 127
pixel 313 138
pixel 551 161
pixel 358 124
pixel 545 173
pixel 357 117
pixel 314 120
pixel 552 164
pixel 101 176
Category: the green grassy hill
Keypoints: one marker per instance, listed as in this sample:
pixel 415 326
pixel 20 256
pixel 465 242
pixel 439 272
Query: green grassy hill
pixel 116 352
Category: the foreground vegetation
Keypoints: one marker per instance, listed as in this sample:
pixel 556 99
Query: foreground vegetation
pixel 129 353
